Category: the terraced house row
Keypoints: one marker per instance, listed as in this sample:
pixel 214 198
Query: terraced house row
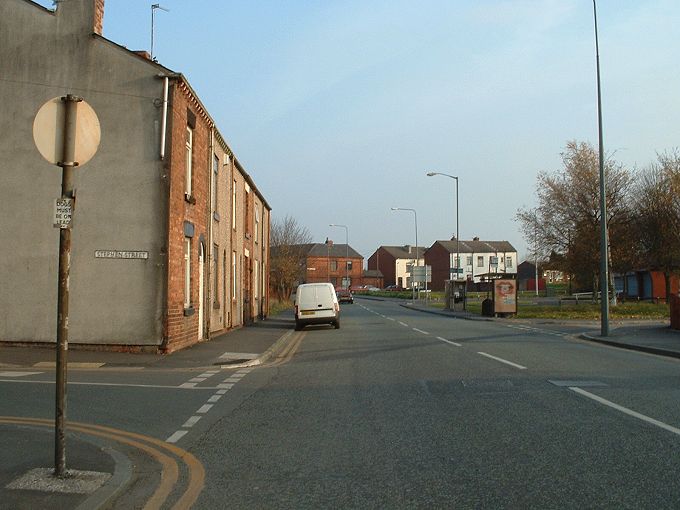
pixel 170 235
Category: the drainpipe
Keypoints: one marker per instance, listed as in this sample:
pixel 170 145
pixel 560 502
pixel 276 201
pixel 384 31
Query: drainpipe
pixel 164 119
pixel 211 171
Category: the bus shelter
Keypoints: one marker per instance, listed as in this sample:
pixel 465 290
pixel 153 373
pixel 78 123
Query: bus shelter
pixel 502 295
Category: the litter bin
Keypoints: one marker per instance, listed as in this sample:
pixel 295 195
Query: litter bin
pixel 487 308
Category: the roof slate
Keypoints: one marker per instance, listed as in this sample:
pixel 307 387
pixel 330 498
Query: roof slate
pixel 477 246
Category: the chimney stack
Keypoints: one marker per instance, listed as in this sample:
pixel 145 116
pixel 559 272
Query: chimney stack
pixel 98 23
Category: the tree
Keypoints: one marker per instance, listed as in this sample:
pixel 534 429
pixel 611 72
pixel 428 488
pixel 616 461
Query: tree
pixel 287 256
pixel 657 207
pixel 567 219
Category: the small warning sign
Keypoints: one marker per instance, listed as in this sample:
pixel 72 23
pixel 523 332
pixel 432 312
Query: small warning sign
pixel 63 212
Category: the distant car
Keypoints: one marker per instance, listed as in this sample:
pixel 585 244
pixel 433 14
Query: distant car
pixel 393 288
pixel 344 296
pixel 370 288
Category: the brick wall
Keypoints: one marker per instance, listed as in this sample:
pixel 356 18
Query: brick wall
pixel 182 325
pixel 438 257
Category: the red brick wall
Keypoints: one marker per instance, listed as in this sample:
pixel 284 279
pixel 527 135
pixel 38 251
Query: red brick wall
pixel 438 257
pixel 182 330
pixel 321 273
pixel 385 262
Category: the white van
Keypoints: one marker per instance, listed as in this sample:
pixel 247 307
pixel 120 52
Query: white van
pixel 316 303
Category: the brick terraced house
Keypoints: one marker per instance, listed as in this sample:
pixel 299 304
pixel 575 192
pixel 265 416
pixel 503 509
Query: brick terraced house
pixel 170 233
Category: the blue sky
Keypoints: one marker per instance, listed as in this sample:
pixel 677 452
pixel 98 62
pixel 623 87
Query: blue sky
pixel 338 109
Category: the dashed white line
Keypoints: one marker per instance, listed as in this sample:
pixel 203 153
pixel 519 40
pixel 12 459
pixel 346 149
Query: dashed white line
pixel 627 411
pixel 503 360
pixel 391 319
pixel 191 422
pixel 188 385
pixel 403 324
pixel 176 436
pixel 421 331
pixel 204 408
pixel 449 341
pixel 225 386
pixel 214 398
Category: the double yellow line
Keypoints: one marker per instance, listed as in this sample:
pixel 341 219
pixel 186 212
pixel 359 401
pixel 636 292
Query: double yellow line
pixel 289 351
pixel 164 453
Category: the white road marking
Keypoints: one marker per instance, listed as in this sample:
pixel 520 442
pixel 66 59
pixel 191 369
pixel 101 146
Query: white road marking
pixel 391 319
pixel 19 374
pixel 225 386
pixel 503 361
pixel 449 341
pixel 204 408
pixel 188 385
pixel 421 331
pixel 214 398
pixel 627 411
pixel 197 379
pixel 221 392
pixel 191 422
pixel 72 364
pixel 233 379
pixel 403 324
pixel 176 436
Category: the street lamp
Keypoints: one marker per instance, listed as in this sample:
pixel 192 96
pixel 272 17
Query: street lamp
pixel 604 248
pixel 346 250
pixel 415 217
pixel 430 174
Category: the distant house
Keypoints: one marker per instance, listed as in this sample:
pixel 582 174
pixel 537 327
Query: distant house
pixel 644 285
pixel 526 276
pixel 476 258
pixel 394 261
pixel 373 278
pixel 338 264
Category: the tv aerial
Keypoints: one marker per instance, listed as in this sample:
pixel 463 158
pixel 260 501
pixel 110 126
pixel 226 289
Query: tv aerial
pixel 154 7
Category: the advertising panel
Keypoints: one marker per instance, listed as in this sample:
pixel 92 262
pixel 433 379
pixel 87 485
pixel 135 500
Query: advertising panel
pixel 505 296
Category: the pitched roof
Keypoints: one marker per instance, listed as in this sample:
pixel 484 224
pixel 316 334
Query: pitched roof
pixel 477 246
pixel 336 250
pixel 402 252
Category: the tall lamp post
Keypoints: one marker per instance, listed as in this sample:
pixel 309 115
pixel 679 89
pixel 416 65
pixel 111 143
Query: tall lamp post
pixel 346 250
pixel 430 174
pixel 604 248
pixel 415 217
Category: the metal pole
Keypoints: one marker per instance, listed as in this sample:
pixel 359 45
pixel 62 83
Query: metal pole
pixel 604 249
pixel 413 283
pixel 67 165
pixel 457 233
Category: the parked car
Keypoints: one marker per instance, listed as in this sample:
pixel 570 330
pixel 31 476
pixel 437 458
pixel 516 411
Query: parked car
pixel 344 296
pixel 394 288
pixel 316 303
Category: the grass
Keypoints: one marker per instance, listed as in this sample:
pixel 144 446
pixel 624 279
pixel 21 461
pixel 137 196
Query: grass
pixel 583 311
pixel 276 307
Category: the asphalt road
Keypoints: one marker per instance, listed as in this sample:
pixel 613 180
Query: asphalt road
pixel 399 409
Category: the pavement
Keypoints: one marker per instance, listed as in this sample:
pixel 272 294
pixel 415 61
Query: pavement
pixel 105 471
pixel 106 466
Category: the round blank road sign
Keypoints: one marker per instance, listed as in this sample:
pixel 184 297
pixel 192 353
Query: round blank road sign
pixel 48 131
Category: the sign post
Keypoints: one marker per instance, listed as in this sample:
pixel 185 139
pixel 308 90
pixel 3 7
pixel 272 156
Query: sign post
pixel 66 136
